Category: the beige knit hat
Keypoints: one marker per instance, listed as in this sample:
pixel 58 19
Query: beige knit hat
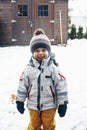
pixel 40 40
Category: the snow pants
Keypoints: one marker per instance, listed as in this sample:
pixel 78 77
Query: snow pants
pixel 42 120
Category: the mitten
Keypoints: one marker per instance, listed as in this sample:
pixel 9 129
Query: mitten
pixel 62 110
pixel 20 106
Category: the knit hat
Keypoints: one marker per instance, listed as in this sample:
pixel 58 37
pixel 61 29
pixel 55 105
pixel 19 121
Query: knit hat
pixel 40 40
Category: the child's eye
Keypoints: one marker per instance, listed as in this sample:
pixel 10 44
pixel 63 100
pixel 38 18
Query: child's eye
pixel 44 50
pixel 36 50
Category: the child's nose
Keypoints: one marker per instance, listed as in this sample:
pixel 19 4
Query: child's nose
pixel 40 52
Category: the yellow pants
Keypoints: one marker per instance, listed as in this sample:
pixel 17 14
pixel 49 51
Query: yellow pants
pixel 42 120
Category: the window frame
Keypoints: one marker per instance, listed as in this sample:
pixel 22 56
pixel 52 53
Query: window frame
pixel 42 16
pixel 22 4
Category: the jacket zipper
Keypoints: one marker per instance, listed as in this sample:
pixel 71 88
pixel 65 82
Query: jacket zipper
pixel 38 97
pixel 39 85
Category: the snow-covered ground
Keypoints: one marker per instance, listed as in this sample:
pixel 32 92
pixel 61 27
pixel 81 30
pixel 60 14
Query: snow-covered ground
pixel 73 63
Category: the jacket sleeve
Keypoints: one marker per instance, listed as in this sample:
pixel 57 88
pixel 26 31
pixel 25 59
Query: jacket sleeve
pixel 60 86
pixel 23 87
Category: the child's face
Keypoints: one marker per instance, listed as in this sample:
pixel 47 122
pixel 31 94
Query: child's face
pixel 40 54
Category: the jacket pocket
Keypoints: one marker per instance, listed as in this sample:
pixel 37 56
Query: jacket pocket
pixel 29 91
pixel 48 76
pixel 53 95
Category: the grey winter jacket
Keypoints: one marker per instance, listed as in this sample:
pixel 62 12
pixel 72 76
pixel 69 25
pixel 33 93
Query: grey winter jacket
pixel 43 85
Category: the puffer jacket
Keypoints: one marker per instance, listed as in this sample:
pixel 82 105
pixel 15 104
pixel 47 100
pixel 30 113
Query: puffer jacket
pixel 43 85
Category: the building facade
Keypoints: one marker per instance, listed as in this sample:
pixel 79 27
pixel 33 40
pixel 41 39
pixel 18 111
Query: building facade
pixel 5 22
pixel 19 19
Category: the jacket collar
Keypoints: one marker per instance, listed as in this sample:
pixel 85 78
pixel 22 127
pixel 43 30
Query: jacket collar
pixel 33 62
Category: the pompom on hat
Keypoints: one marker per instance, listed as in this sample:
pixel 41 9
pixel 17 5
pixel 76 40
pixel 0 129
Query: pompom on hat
pixel 40 40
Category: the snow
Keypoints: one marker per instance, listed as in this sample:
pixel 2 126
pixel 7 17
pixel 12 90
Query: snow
pixel 72 62
pixel 78 13
pixel 79 7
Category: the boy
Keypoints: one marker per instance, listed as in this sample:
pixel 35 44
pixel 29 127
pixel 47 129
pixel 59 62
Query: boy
pixel 43 85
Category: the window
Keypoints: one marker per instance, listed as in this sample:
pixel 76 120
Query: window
pixel 22 10
pixel 43 10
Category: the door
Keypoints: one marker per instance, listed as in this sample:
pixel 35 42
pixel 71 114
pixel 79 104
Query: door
pixel 43 17
pixel 22 25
